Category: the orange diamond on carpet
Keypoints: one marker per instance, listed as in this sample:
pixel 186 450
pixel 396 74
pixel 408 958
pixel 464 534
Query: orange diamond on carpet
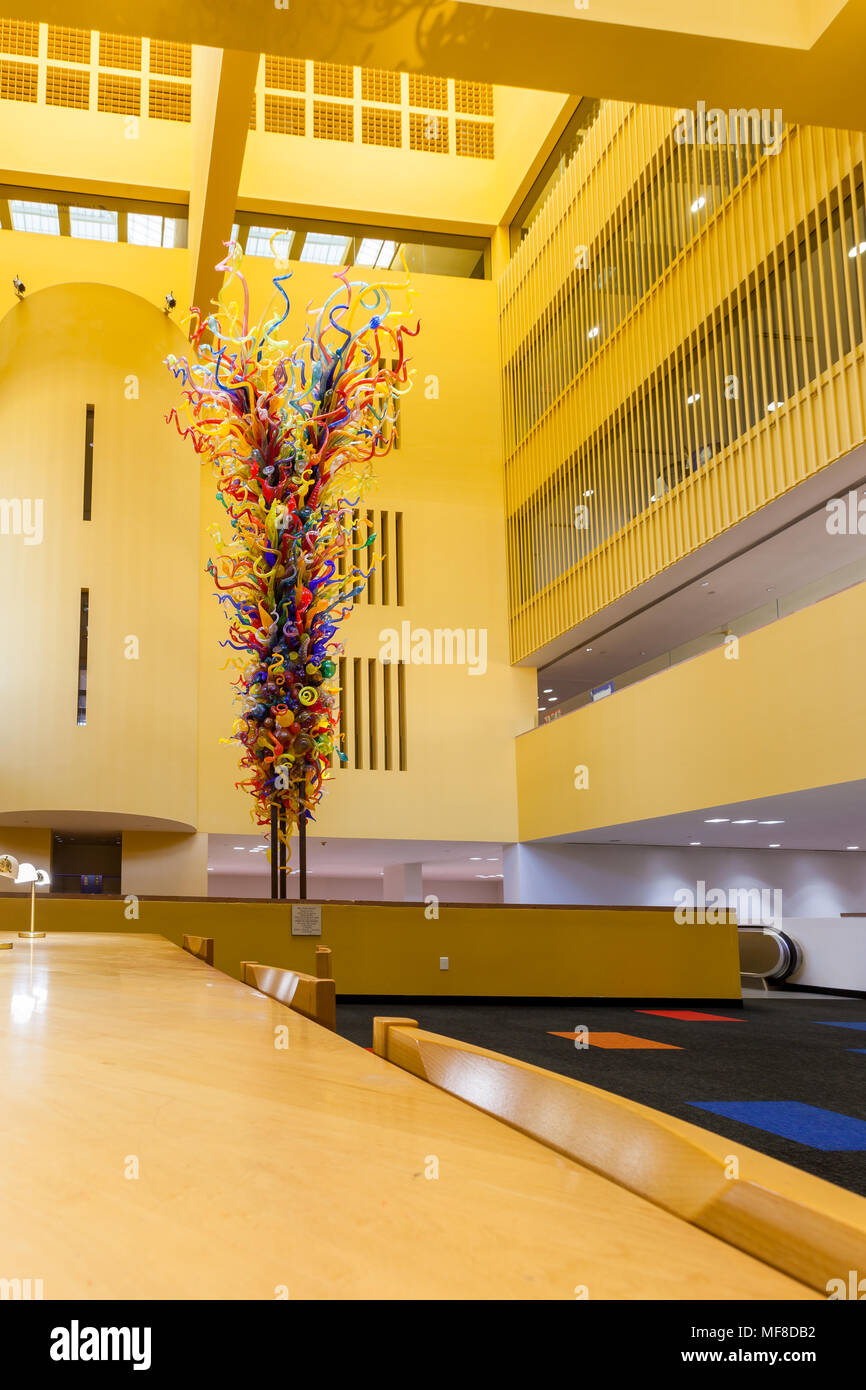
pixel 622 1040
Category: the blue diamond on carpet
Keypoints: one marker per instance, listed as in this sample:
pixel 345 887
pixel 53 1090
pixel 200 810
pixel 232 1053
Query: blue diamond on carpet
pixel 805 1124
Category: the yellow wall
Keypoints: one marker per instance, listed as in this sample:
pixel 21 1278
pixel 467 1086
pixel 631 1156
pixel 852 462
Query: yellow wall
pixel 436 191
pixel 147 158
pixel 162 862
pixel 786 715
pixel 391 949
pixel 143 555
pixel 28 847
pixel 446 478
pixel 61 349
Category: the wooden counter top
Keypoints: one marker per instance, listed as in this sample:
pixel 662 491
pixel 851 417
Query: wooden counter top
pixel 263 1169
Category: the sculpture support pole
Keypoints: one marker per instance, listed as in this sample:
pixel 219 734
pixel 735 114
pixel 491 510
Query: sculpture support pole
pixel 302 859
pixel 284 849
pixel 275 871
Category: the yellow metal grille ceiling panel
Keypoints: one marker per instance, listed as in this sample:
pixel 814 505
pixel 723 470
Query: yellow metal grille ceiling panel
pixel 19 81
pixel 431 93
pixel 119 51
pixel 68 45
pixel 170 59
pixel 285 74
pixel 359 110
pixel 380 85
pixel 332 121
pixel 119 96
pixel 473 98
pixel 428 132
pixel 284 115
pixel 67 87
pixel 333 80
pixel 380 127
pixel 473 139
pixel 19 38
pixel 169 101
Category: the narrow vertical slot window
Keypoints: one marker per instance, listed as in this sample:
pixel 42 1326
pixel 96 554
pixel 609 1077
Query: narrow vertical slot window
pixel 369 561
pixel 387 715
pixel 385 562
pixel 355 553
pixel 398 556
pixel 84 607
pixel 88 463
pixel 373 712
pixel 359 723
pixel 401 713
pixel 344 762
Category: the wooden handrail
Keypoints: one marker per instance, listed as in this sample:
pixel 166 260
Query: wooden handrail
pixel 315 999
pixel 810 1229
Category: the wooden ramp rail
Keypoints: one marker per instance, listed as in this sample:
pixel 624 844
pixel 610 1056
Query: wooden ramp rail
pixel 808 1228
pixel 315 998
pixel 199 946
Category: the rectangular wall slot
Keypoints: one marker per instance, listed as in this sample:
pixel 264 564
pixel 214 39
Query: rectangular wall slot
pixel 88 463
pixel 83 612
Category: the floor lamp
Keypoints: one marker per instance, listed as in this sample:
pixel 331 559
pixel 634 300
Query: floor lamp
pixel 25 873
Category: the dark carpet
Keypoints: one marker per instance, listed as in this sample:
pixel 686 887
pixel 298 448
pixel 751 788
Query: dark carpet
pixel 776 1052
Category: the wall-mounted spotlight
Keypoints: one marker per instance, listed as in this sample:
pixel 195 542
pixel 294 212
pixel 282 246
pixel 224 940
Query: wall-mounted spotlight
pixel 170 302
pixel 19 286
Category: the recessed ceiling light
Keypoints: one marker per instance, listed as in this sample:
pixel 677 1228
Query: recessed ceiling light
pixel 553 699
pixel 693 399
pixel 594 331
pixel 493 858
pixel 548 691
pixel 774 846
pixel 775 405
pixel 716 820
pixel 744 822
pixel 852 846
pixel 705 583
pixel 589 649
pixel 209 869
pixel 240 846
pixel 590 492
pixel 694 842
pixel 857 250
pixel 699 203
pixel 473 858
pixel 771 822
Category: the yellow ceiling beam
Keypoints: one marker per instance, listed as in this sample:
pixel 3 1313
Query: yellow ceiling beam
pixel 224 81
pixel 773 62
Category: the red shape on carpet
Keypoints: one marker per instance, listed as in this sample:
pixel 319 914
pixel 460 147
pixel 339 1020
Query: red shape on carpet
pixel 690 1016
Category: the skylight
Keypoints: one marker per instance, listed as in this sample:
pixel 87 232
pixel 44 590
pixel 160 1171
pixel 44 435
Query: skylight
pixel 93 224
pixel 259 241
pixel 34 217
pixel 144 229
pixel 325 249
pixel 374 252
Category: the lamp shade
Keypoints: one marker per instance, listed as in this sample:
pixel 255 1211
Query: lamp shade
pixel 23 873
pixel 8 866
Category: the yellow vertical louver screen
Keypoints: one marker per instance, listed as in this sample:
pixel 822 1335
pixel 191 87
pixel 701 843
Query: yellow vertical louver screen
pixel 682 342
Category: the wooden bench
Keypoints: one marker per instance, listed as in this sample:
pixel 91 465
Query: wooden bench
pixel 315 998
pixel 808 1228
pixel 199 946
